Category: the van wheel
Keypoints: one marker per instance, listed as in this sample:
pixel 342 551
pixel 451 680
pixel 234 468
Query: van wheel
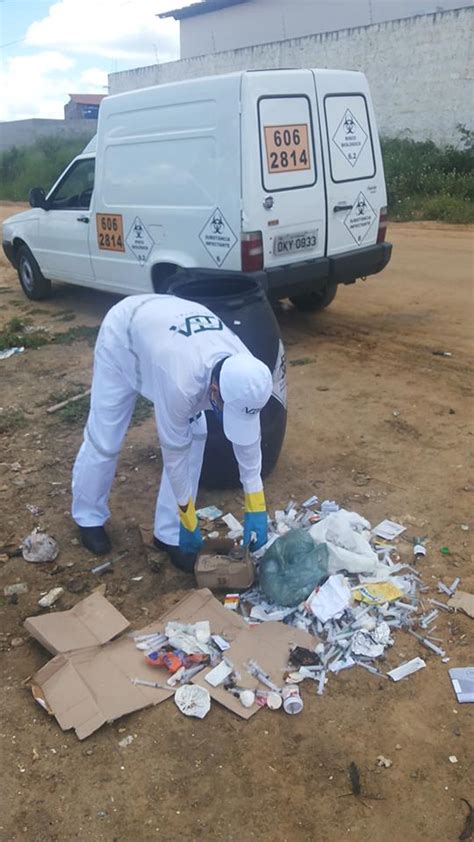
pixel 32 280
pixel 311 302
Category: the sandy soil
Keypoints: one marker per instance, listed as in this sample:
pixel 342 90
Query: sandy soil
pixel 376 421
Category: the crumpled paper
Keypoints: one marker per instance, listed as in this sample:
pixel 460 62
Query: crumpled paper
pixel 331 599
pixel 193 700
pixel 372 643
pixel 38 547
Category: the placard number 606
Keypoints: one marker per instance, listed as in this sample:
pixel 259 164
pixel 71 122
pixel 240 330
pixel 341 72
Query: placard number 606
pixel 287 137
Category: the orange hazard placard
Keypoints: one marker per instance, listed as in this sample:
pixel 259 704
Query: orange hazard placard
pixel 287 148
pixel 110 231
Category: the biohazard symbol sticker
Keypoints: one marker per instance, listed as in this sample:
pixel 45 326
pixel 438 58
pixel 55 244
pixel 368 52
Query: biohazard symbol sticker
pixel 217 237
pixel 360 219
pixel 350 138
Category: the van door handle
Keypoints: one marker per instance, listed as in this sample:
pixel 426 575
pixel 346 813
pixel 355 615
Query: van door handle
pixel 83 219
pixel 339 208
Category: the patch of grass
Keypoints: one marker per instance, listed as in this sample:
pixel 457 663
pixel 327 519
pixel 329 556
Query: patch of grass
pixel 425 181
pixel 302 361
pixel 11 420
pixel 13 334
pixel 38 164
pixel 77 412
pixel 74 413
pixel 74 334
pixel 439 208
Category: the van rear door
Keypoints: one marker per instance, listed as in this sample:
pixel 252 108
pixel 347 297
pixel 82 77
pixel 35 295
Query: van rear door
pixel 355 181
pixel 282 176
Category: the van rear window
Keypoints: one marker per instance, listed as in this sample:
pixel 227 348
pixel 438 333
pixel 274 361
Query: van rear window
pixel 351 149
pixel 286 143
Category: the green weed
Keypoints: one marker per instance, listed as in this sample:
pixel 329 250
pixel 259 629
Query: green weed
pixel 37 165
pixel 77 412
pixel 425 181
pixel 73 334
pixel 13 334
pixel 11 420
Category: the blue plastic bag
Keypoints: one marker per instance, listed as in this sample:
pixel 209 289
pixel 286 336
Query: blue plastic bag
pixel 292 567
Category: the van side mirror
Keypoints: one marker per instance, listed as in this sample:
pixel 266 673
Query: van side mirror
pixel 37 198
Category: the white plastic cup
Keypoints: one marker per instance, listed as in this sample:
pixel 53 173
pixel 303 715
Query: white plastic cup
pixel 292 701
pixel 274 701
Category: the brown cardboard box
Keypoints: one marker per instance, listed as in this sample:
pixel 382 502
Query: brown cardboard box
pixel 89 681
pixel 216 570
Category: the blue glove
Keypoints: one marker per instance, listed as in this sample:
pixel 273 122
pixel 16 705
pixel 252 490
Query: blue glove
pixel 190 542
pixel 190 538
pixel 256 519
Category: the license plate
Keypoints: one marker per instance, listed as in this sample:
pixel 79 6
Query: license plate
pixel 292 243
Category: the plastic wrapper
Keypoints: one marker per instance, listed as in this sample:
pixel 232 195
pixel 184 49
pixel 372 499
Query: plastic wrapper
pixel 292 567
pixel 349 549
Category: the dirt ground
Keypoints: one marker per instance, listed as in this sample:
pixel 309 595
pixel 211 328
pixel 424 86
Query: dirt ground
pixel 378 422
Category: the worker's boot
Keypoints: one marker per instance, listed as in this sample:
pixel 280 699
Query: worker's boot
pixel 95 539
pixel 183 561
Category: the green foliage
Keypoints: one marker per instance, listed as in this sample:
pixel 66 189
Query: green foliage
pixel 425 181
pixel 11 419
pixel 12 335
pixel 77 412
pixel 38 165
pixel 73 334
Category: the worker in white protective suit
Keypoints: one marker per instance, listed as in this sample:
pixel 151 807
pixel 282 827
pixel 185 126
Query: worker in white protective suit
pixel 182 357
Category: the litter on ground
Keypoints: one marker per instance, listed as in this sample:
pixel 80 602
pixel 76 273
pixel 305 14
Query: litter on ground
pixel 328 596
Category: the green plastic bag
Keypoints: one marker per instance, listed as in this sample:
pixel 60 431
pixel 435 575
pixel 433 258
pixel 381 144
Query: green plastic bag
pixel 292 567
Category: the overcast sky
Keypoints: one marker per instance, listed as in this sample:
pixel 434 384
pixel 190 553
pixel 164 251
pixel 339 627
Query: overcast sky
pixel 51 49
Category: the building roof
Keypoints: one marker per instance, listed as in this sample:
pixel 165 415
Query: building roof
pixel 87 99
pixel 201 8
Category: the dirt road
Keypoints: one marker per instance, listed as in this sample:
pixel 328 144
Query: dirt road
pixel 378 422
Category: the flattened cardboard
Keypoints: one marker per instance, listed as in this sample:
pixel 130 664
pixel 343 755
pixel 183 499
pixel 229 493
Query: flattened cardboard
pixel 92 685
pixel 463 601
pixel 269 645
pixel 92 622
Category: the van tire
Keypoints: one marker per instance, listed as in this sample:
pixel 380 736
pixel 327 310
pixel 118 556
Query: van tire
pixel 312 302
pixel 32 280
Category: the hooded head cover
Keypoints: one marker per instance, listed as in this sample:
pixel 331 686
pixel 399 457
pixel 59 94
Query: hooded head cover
pixel 245 384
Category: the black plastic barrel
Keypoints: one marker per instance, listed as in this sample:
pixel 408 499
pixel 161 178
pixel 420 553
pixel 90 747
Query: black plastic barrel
pixel 241 303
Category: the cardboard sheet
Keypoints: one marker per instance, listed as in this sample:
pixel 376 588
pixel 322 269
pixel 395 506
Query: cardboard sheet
pixel 89 681
pixel 92 622
pixel 269 645
pixel 463 601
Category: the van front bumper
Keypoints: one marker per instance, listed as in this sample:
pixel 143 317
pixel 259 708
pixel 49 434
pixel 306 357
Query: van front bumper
pixel 313 275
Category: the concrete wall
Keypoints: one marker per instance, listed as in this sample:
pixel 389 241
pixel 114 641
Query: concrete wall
pixel 419 69
pixel 25 132
pixel 260 21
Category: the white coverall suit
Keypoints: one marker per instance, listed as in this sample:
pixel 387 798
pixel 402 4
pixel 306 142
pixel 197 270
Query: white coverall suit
pixel 165 349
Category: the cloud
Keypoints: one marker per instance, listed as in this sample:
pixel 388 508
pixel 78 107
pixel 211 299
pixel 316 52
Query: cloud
pixel 94 80
pixel 34 85
pixel 111 29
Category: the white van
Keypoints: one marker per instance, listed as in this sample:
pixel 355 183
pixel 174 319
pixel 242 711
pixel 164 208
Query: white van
pixel 273 172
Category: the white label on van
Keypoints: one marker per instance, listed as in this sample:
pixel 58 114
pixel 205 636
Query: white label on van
pixel 350 138
pixel 139 241
pixel 360 219
pixel 217 237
